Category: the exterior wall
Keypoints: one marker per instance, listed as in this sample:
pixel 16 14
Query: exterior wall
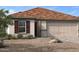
pixel 43 25
pixel 44 28
pixel 32 27
pixel 10 29
pixel 78 29
pixel 44 33
pixel 67 31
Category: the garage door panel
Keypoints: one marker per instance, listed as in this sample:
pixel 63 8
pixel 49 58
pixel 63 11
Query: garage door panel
pixel 62 30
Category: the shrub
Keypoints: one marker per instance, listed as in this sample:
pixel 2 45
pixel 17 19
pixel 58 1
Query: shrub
pixel 14 37
pixel 2 34
pixel 2 38
pixel 19 36
pixel 28 37
pixel 9 36
pixel 1 43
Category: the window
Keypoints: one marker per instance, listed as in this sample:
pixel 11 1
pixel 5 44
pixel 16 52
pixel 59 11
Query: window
pixel 21 29
pixel 21 26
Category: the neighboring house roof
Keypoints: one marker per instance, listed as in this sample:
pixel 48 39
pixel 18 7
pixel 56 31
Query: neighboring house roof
pixel 43 14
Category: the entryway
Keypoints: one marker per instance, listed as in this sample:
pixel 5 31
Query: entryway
pixel 37 29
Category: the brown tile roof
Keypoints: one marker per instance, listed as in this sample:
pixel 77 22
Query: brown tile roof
pixel 43 14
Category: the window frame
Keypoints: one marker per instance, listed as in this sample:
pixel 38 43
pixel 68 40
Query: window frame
pixel 20 26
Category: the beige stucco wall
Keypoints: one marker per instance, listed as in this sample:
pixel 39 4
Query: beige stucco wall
pixel 32 27
pixel 44 28
pixel 10 29
pixel 67 31
pixel 43 25
pixel 78 28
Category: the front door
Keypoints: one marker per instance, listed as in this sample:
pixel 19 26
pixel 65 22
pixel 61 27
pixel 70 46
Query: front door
pixel 37 29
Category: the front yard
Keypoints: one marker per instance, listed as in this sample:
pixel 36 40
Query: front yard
pixel 38 45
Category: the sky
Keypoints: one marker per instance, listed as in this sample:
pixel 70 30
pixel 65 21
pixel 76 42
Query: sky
pixel 72 10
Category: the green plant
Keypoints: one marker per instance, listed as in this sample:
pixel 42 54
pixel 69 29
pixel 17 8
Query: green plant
pixel 2 34
pixel 5 20
pixel 14 37
pixel 30 36
pixel 9 36
pixel 19 36
pixel 1 43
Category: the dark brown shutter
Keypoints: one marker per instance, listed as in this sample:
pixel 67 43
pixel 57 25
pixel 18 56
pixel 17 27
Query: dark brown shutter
pixel 28 26
pixel 16 26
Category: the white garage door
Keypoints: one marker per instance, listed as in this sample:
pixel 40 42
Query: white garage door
pixel 63 30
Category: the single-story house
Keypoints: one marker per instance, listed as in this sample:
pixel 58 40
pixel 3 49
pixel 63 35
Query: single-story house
pixel 41 22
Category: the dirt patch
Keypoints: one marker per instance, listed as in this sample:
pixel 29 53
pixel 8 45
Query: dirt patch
pixel 38 45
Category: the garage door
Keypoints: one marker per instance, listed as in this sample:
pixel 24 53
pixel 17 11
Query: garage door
pixel 63 30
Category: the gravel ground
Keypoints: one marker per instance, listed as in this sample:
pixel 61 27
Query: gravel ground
pixel 38 45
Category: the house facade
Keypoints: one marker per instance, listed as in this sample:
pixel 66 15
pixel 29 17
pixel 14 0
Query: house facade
pixel 41 22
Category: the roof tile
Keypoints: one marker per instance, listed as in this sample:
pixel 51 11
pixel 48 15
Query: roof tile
pixel 43 14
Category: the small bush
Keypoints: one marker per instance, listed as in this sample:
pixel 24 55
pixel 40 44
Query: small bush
pixel 19 36
pixel 2 34
pixel 28 36
pixel 9 36
pixel 1 43
pixel 14 37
